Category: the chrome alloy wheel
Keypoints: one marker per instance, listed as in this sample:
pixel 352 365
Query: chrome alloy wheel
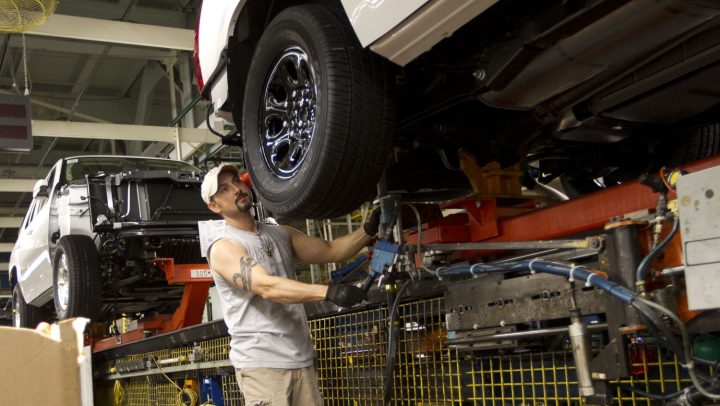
pixel 17 321
pixel 63 283
pixel 288 112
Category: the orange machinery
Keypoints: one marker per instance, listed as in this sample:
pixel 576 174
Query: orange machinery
pixel 197 280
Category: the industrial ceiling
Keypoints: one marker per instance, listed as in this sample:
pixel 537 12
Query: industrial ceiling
pixel 104 77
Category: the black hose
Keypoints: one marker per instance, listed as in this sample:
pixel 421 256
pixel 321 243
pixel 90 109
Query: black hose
pixel 654 323
pixel 656 396
pixel 693 398
pixel 645 263
pixel 391 356
pixel 667 338
pixel 207 121
pixel 714 364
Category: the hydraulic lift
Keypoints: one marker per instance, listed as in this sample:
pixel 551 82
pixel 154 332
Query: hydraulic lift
pixel 617 226
pixel 196 279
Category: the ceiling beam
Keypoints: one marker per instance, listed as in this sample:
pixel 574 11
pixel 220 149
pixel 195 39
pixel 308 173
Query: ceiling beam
pixel 115 32
pixel 157 149
pixel 10 222
pixel 17 185
pixel 61 46
pixel 150 78
pixel 58 108
pixel 125 132
pixel 112 10
pixel 17 171
pixel 11 211
pixel 131 77
pixel 85 74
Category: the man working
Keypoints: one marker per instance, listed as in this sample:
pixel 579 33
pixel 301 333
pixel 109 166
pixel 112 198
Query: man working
pixel 252 265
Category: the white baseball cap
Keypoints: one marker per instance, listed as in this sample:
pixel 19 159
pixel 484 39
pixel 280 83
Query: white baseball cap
pixel 210 183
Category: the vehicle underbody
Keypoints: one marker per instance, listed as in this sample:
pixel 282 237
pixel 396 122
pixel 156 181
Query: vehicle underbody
pixel 597 112
pixel 585 91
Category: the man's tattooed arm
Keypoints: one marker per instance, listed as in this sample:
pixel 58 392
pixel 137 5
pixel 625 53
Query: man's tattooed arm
pixel 245 274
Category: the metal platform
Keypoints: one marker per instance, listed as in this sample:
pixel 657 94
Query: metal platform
pixel 351 350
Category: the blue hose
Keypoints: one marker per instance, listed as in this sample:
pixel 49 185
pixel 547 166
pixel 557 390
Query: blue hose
pixel 645 263
pixel 580 273
pixel 339 273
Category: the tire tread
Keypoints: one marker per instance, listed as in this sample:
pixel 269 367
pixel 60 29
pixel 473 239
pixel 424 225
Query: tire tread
pixel 347 168
pixel 83 268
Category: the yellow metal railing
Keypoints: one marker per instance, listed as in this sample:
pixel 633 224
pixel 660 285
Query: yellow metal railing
pixel 351 350
pixel 523 379
pixel 231 392
pixel 654 371
pixel 217 349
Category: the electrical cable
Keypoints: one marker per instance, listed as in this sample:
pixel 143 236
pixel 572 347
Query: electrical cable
pixel 645 263
pixel 207 122
pixel 655 396
pixel 391 357
pixel 689 364
pixel 663 178
pixel 654 323
pixel 118 393
pixel 192 396
pixel 714 364
pixel 179 401
pixel 418 219
pixel 668 338
pixel 685 348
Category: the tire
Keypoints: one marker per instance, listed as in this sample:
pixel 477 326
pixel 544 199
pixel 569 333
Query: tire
pixel 701 142
pixel 76 278
pixel 689 145
pixel 24 315
pixel 321 150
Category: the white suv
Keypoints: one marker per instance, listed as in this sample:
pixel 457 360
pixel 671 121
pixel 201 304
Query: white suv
pixel 328 94
pixel 86 245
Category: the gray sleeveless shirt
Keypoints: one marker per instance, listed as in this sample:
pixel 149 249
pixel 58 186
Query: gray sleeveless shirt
pixel 263 333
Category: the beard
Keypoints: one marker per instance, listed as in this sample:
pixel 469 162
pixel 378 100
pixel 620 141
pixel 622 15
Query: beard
pixel 243 206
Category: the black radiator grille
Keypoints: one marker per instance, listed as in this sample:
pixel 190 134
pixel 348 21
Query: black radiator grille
pixel 183 252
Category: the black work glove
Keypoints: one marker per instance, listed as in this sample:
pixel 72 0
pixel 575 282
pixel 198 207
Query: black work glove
pixel 372 224
pixel 345 295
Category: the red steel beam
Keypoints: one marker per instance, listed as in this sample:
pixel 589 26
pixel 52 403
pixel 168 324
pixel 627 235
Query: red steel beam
pixel 190 311
pixel 589 212
pixel 183 273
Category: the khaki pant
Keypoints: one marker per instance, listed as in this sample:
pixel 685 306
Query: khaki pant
pixel 279 387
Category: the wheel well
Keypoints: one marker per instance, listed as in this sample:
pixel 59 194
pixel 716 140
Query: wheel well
pixel 254 17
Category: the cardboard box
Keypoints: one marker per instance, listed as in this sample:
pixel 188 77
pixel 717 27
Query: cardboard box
pixel 42 368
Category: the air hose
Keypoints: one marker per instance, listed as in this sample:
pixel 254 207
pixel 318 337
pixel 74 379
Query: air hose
pixel 572 272
pixel 391 356
pixel 650 310
pixel 348 270
pixel 645 263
